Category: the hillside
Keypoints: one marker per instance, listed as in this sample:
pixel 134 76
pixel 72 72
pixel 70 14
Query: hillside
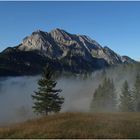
pixel 77 125
pixel 60 49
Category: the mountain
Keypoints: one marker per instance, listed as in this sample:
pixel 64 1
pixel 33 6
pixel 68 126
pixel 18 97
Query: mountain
pixel 61 50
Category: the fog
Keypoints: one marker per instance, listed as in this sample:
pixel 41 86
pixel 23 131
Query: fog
pixel 15 93
pixel 15 98
pixel 16 102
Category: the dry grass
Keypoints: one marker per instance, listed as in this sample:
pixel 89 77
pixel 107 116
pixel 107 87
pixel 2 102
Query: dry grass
pixel 77 125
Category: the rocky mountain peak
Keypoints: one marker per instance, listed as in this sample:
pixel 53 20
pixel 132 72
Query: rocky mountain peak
pixel 65 51
pixel 36 41
pixel 37 31
pixel 127 59
pixel 106 48
pixel 60 35
pixel 58 30
pixel 58 44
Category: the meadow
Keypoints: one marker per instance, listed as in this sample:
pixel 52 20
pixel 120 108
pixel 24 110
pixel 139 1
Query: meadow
pixel 77 125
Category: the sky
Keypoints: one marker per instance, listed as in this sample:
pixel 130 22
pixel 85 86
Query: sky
pixel 112 24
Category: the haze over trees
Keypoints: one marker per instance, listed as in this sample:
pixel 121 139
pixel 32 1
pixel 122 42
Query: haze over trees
pixel 77 90
pixel 126 99
pixel 104 99
pixel 47 98
pixel 130 99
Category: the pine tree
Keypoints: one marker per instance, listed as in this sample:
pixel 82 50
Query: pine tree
pixel 97 101
pixel 47 99
pixel 112 99
pixel 137 93
pixel 104 97
pixel 126 99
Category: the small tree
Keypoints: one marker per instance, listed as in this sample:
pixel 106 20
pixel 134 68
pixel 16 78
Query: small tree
pixel 126 99
pixel 47 98
pixel 137 93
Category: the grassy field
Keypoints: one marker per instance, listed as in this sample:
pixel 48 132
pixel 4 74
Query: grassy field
pixel 77 125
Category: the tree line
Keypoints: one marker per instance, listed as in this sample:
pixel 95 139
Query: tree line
pixel 105 97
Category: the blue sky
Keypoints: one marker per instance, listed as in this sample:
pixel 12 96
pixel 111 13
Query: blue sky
pixel 112 24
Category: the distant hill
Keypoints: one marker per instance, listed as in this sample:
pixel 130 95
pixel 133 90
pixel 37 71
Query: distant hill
pixel 60 49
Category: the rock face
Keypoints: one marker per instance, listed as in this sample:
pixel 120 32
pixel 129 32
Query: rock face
pixel 60 49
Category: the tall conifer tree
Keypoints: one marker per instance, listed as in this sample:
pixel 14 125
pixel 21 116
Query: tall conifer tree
pixel 126 99
pixel 47 98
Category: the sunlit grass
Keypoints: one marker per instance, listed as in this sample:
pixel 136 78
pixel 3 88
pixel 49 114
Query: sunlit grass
pixel 77 125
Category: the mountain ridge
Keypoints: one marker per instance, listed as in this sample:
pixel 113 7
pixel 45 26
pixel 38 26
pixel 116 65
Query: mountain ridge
pixel 60 49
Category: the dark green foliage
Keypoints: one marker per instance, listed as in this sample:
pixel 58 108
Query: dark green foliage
pixel 137 93
pixel 126 99
pixel 104 98
pixel 47 98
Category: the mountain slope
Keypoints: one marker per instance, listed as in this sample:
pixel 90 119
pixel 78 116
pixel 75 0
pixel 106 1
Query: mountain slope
pixel 60 49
